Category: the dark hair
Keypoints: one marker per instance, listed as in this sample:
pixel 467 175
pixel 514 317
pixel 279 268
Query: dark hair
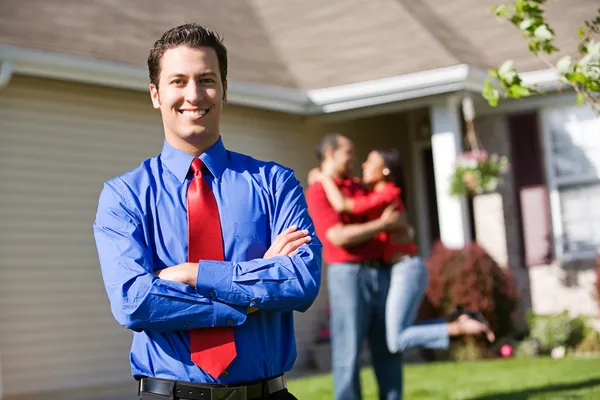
pixel 190 35
pixel 327 142
pixel 393 161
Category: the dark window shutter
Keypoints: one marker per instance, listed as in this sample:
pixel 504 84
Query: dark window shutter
pixel 531 188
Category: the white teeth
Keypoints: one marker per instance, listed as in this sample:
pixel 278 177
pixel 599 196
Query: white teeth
pixel 196 113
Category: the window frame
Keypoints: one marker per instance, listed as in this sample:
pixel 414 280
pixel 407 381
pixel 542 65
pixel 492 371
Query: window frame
pixel 555 184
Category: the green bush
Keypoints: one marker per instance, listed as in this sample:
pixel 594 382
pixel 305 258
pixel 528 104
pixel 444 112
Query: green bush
pixel 589 344
pixel 553 330
pixel 528 348
pixel 580 329
pixel 550 330
pixel 467 350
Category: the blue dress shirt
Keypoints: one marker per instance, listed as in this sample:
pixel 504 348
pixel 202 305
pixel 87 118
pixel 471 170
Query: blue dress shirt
pixel 141 227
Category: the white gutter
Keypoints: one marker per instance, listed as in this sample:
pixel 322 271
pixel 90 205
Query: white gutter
pixel 543 79
pixel 461 77
pixel 6 72
pixel 125 76
pixel 397 88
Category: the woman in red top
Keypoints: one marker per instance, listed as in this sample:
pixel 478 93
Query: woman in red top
pixel 382 172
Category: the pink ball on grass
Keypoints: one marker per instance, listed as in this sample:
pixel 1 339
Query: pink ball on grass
pixel 506 350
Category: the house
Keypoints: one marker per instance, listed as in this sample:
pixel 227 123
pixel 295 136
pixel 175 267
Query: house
pixel 74 112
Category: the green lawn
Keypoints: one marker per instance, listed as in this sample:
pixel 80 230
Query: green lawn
pixel 515 379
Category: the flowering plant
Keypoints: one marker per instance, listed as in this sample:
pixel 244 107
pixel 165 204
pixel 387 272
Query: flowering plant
pixel 477 172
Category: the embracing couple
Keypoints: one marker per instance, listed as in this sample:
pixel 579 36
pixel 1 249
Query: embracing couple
pixel 376 279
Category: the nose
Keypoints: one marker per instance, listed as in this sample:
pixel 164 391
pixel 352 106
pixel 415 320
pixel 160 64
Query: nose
pixel 194 92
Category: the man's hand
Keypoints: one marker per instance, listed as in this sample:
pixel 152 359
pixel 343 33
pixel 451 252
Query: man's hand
pixel 288 242
pixel 186 273
pixel 183 273
pixel 285 244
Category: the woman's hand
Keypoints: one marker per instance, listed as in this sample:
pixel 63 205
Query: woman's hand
pixel 314 175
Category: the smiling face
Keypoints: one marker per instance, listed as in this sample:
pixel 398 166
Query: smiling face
pixel 374 169
pixel 338 161
pixel 190 96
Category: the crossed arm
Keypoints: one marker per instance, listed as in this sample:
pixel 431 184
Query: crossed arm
pixel 210 293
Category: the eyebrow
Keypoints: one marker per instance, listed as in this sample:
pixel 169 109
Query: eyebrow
pixel 202 74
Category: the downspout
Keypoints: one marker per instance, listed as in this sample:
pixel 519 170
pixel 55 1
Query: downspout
pixel 6 72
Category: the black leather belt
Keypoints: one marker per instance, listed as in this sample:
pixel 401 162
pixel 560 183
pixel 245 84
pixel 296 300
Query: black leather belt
pixel 374 264
pixel 199 391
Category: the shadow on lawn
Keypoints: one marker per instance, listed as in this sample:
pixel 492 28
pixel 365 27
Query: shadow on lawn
pixel 551 389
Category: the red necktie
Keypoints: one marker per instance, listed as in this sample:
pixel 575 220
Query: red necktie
pixel 212 349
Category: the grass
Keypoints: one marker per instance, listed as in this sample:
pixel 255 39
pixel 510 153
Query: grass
pixel 515 379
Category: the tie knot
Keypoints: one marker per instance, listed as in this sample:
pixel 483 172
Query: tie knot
pixel 197 165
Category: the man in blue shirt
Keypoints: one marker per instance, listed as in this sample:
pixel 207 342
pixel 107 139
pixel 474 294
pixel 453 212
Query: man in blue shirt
pixel 271 257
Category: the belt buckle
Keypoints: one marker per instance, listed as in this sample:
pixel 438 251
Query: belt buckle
pixel 229 393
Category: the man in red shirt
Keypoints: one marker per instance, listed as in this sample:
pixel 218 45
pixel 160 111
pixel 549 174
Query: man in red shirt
pixel 358 279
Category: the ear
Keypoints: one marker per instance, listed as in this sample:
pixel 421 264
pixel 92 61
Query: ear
pixel 225 92
pixel 154 96
pixel 329 152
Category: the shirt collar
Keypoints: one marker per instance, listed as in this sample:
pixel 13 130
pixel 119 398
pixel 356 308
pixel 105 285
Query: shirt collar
pixel 178 162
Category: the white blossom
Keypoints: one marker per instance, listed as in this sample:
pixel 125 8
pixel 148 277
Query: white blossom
pixel 564 64
pixel 507 71
pixel 542 33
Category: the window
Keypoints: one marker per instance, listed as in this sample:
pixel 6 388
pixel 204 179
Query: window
pixel 572 136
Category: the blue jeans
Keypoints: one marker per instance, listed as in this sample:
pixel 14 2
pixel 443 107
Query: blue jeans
pixel 407 288
pixel 357 296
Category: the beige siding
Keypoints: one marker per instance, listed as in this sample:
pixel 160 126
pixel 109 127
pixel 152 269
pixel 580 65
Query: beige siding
pixel 58 143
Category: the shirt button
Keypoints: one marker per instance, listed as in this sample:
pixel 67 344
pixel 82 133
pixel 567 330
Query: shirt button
pixel 225 373
pixel 187 322
pixel 212 294
pixel 230 321
pixel 253 303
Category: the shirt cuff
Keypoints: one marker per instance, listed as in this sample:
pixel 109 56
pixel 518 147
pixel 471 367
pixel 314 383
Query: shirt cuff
pixel 226 315
pixel 214 279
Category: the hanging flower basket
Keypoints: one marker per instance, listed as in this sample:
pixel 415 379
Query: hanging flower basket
pixel 477 172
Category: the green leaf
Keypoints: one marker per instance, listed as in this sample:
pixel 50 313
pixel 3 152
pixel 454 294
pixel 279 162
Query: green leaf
pixel 517 91
pixel 490 93
pixel 500 10
pixel 577 77
pixel 581 32
pixel 579 99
